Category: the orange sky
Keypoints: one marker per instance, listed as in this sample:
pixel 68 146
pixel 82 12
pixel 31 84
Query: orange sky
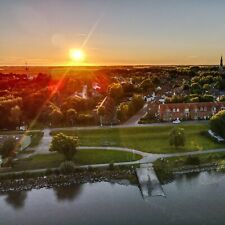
pixel 111 32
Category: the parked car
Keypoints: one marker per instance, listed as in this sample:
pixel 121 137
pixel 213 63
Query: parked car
pixel 176 121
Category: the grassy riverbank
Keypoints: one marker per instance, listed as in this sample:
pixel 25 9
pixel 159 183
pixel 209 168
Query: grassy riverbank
pixel 186 161
pixel 147 139
pixel 83 157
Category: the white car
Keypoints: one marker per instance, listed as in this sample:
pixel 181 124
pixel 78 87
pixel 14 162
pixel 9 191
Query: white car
pixel 176 121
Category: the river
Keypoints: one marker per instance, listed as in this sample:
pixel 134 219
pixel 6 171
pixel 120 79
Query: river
pixel 190 199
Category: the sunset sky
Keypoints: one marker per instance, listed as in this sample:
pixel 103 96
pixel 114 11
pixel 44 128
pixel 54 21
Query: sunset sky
pixel 112 32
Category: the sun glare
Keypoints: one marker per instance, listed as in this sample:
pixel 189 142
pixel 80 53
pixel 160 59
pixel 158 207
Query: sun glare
pixel 77 55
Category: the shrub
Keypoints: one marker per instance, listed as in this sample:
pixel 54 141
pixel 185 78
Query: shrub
pixel 111 166
pixel 192 160
pixel 8 148
pixel 67 167
pixel 177 137
pixel 90 168
pixel 65 145
pixel 49 172
pixel 217 123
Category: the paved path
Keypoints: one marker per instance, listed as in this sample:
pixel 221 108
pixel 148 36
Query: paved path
pixel 133 121
pixel 148 181
pixel 147 157
pixel 125 125
pixel 42 147
pixel 44 144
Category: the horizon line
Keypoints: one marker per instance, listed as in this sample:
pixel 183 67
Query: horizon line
pixel 109 65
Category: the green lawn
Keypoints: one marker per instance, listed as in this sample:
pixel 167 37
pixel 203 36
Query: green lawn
pixel 82 157
pixel 148 139
pixel 176 162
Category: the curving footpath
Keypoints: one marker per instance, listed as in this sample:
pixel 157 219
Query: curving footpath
pixel 148 158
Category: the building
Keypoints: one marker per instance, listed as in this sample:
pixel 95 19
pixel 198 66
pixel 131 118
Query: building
pixel 221 68
pixel 189 111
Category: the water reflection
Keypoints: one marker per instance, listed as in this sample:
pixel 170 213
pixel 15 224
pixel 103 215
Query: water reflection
pixel 16 199
pixel 104 203
pixel 67 193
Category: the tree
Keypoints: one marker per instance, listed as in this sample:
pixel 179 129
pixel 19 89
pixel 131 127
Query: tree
pixel 217 123
pixel 177 137
pixel 56 116
pixel 137 101
pixel 115 91
pixel 71 116
pixel 222 98
pixel 123 111
pixel 155 80
pixel 63 144
pixel 128 89
pixel 206 87
pixel 207 98
pixel 101 113
pixel 147 85
pixel 15 115
pixel 8 148
pixel 195 88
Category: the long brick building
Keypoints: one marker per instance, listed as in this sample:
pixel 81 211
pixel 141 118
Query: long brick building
pixel 189 111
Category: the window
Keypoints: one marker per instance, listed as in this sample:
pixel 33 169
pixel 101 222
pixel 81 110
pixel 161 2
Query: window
pixel 174 110
pixel 186 110
pixel 205 108
pixel 178 110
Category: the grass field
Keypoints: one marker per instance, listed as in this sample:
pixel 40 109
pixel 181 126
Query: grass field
pixel 82 157
pixel 147 139
pixel 176 162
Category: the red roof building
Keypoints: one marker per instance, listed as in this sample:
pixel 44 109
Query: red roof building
pixel 189 111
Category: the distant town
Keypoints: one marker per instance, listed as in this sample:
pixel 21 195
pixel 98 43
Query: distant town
pixel 109 95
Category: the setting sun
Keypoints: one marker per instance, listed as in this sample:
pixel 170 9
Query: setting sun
pixel 77 55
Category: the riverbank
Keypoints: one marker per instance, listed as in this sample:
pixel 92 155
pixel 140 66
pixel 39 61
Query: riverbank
pixel 54 178
pixel 167 168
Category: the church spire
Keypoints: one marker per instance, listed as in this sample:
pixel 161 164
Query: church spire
pixel 221 62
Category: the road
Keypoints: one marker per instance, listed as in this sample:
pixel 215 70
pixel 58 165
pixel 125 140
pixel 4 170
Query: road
pixel 133 121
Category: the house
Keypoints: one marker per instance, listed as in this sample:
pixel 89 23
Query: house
pixel 189 111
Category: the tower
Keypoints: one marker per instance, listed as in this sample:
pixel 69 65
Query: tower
pixel 221 62
pixel 221 65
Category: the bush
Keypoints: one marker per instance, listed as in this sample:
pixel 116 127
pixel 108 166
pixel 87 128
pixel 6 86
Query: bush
pixel 49 172
pixel 111 166
pixel 217 123
pixel 177 137
pixel 67 167
pixel 90 168
pixel 63 144
pixel 8 148
pixel 192 160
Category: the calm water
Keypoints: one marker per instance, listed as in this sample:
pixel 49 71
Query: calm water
pixel 195 199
